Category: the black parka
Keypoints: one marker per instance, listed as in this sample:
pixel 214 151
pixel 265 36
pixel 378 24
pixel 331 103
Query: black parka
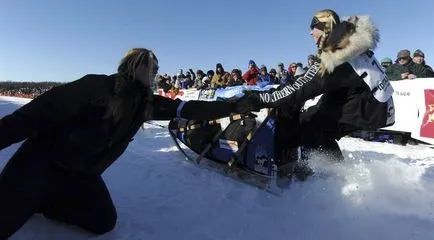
pixel 69 127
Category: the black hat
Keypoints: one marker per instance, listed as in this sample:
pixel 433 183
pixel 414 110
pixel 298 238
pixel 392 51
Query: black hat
pixel 403 54
pixel 418 53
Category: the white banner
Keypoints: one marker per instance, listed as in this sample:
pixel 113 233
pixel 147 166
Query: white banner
pixel 414 108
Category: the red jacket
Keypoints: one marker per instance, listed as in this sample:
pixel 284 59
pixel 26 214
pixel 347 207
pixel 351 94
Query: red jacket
pixel 250 76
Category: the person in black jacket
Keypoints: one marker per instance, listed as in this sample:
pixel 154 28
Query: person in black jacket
pixel 356 93
pixel 72 134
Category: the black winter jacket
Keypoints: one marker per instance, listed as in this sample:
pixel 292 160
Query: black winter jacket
pixel 67 123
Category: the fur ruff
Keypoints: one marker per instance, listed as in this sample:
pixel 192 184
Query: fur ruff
pixel 364 38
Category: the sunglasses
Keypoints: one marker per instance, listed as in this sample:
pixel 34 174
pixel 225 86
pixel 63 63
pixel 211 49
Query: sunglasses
pixel 402 58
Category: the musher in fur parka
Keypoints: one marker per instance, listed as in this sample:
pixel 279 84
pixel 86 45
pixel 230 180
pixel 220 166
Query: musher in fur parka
pixel 356 93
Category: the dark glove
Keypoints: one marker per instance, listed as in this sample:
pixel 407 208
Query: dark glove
pixel 248 103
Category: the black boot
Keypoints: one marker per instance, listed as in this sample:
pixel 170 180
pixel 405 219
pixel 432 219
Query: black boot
pixel 285 167
pixel 301 169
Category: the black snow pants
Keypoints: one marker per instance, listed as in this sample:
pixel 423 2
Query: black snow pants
pixel 311 131
pixel 30 184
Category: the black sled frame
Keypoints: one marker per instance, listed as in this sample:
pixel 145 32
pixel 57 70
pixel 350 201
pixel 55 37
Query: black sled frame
pixel 275 183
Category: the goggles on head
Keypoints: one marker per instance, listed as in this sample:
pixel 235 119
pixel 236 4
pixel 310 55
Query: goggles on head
pixel 316 23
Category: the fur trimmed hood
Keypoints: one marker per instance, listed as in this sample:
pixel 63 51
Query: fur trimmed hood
pixel 362 38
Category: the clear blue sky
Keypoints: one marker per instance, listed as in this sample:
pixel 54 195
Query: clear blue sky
pixel 48 40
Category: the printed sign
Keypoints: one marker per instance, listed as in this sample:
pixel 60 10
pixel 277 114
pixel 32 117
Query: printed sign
pixel 171 94
pixel 427 127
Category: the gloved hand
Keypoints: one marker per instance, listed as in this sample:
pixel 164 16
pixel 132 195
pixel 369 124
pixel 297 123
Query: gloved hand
pixel 248 103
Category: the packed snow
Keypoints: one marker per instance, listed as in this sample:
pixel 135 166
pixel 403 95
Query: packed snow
pixel 382 191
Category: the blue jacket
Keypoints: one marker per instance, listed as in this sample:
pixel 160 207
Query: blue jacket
pixel 263 81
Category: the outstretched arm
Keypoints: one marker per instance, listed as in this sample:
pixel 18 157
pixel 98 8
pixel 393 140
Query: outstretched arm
pixel 167 109
pixel 306 87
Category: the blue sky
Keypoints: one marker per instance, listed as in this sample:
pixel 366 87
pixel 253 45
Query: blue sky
pixel 61 41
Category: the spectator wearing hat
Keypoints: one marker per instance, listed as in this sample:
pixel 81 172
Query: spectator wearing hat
pixel 187 81
pixel 310 61
pixel 162 82
pixel 220 78
pixel 198 79
pixel 252 73
pixel 273 76
pixel 419 59
pixel 235 79
pixel 386 63
pixel 206 81
pixel 264 78
pixel 281 74
pixel 291 71
pixel 404 68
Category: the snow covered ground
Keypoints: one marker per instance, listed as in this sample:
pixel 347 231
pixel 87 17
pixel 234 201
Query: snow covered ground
pixel 382 191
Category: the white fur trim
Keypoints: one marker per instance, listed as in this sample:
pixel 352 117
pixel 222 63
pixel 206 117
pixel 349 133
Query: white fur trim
pixel 364 38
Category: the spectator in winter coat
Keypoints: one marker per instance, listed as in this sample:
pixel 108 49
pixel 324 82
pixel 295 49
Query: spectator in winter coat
pixel 291 72
pixel 186 81
pixel 264 78
pixel 419 59
pixel 252 73
pixel 273 77
pixel 198 81
pixel 235 79
pixel 350 101
pixel 206 81
pixel 72 134
pixel 282 74
pixel 221 78
pixel 311 59
pixel 404 68
pixel 386 63
pixel 163 83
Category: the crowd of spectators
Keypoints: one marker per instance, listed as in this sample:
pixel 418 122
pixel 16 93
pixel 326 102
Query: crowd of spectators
pixel 405 66
pixel 25 89
pixel 219 77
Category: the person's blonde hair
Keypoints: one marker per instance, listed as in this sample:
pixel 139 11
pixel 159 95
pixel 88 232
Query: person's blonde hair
pixel 329 18
pixel 125 78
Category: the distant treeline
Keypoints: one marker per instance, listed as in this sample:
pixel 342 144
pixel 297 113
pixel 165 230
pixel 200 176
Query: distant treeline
pixel 25 89
pixel 16 85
